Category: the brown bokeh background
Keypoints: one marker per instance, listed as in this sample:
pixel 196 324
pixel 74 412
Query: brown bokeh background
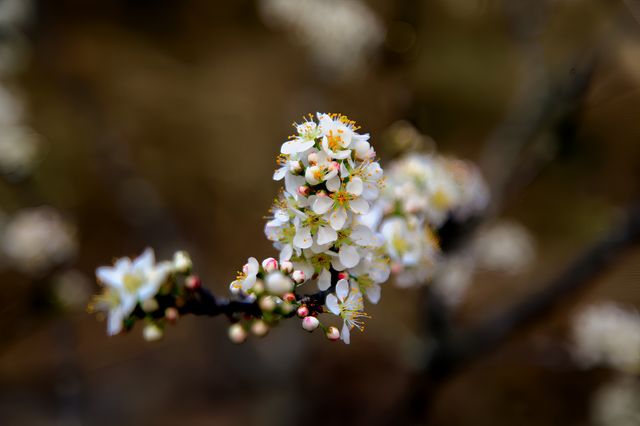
pixel 162 120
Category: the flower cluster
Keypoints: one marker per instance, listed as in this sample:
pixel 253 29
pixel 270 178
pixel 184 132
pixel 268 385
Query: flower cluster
pixel 143 288
pixel 608 335
pixel 331 180
pixel 323 26
pixel 423 192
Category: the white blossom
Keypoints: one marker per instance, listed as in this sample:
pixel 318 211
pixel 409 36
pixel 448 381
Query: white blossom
pixel 347 303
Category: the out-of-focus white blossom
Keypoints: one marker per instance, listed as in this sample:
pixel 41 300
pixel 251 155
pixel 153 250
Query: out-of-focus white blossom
pixel 38 239
pixel 453 277
pixel 18 151
pixel 72 289
pixel 505 246
pixel 340 35
pixel 617 403
pixel 608 335
pixel 128 283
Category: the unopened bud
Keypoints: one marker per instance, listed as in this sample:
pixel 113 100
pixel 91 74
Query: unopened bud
pixel 289 297
pixel 286 266
pixel 270 264
pixel 332 333
pixel 258 286
pixel 182 262
pixel 304 190
pixel 267 304
pixel 310 323
pixel 343 275
pixel 302 311
pixel 259 328
pixel 335 165
pixel 171 314
pixel 278 283
pixel 237 333
pixel 150 305
pixel 286 308
pixel 152 332
pixel 298 276
pixel 192 282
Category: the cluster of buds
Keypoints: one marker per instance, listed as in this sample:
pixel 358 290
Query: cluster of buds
pixel 424 191
pixel 143 289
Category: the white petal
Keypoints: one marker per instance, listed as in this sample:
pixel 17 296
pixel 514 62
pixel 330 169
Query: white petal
pixel 332 304
pixel 109 276
pixel 359 205
pixel 310 175
pixel 326 234
pixel 342 289
pixel 333 184
pixel 114 324
pixel 248 282
pixel 349 256
pixel 373 293
pixel 324 280
pixel 280 173
pixel 296 145
pixel 321 205
pixel 303 238
pixel 145 261
pixel 362 235
pixel 292 183
pixel 286 252
pixel 338 218
pixel 355 186
pixel 345 334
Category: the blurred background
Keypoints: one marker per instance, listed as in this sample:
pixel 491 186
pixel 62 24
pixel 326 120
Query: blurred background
pixel 135 123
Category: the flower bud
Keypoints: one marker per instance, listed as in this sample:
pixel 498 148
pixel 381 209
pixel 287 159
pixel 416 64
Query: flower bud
pixel 237 333
pixel 286 308
pixel 310 323
pixel 182 262
pixel 152 332
pixel 192 282
pixel 332 333
pixel 286 266
pixel 150 305
pixel 278 283
pixel 289 297
pixel 269 264
pixel 304 190
pixel 313 158
pixel 303 311
pixel 298 276
pixel 335 165
pixel 259 328
pixel 171 314
pixel 267 304
pixel 344 275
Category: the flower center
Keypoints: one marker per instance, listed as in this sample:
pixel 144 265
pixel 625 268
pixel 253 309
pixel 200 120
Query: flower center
pixel 132 282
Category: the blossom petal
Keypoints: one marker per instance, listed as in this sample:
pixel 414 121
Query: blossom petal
pixel 324 280
pixel 349 256
pixel 286 252
pixel 345 334
pixel 303 238
pixel 326 234
pixel 362 235
pixel 145 261
pixel 332 304
pixel 373 293
pixel 295 146
pixel 280 173
pixel 359 205
pixel 333 184
pixel 342 289
pixel 355 186
pixel 109 276
pixel 321 205
pixel 338 218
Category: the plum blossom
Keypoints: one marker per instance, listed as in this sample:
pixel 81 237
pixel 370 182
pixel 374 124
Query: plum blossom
pixel 347 303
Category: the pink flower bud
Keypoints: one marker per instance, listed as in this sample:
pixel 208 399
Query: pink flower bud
pixel 313 158
pixel 297 276
pixel 303 311
pixel 289 297
pixel 304 190
pixel 286 266
pixel 343 275
pixel 335 165
pixel 192 282
pixel 237 333
pixel 310 323
pixel 321 194
pixel 172 315
pixel 396 267
pixel 332 333
pixel 270 264
pixel 259 328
